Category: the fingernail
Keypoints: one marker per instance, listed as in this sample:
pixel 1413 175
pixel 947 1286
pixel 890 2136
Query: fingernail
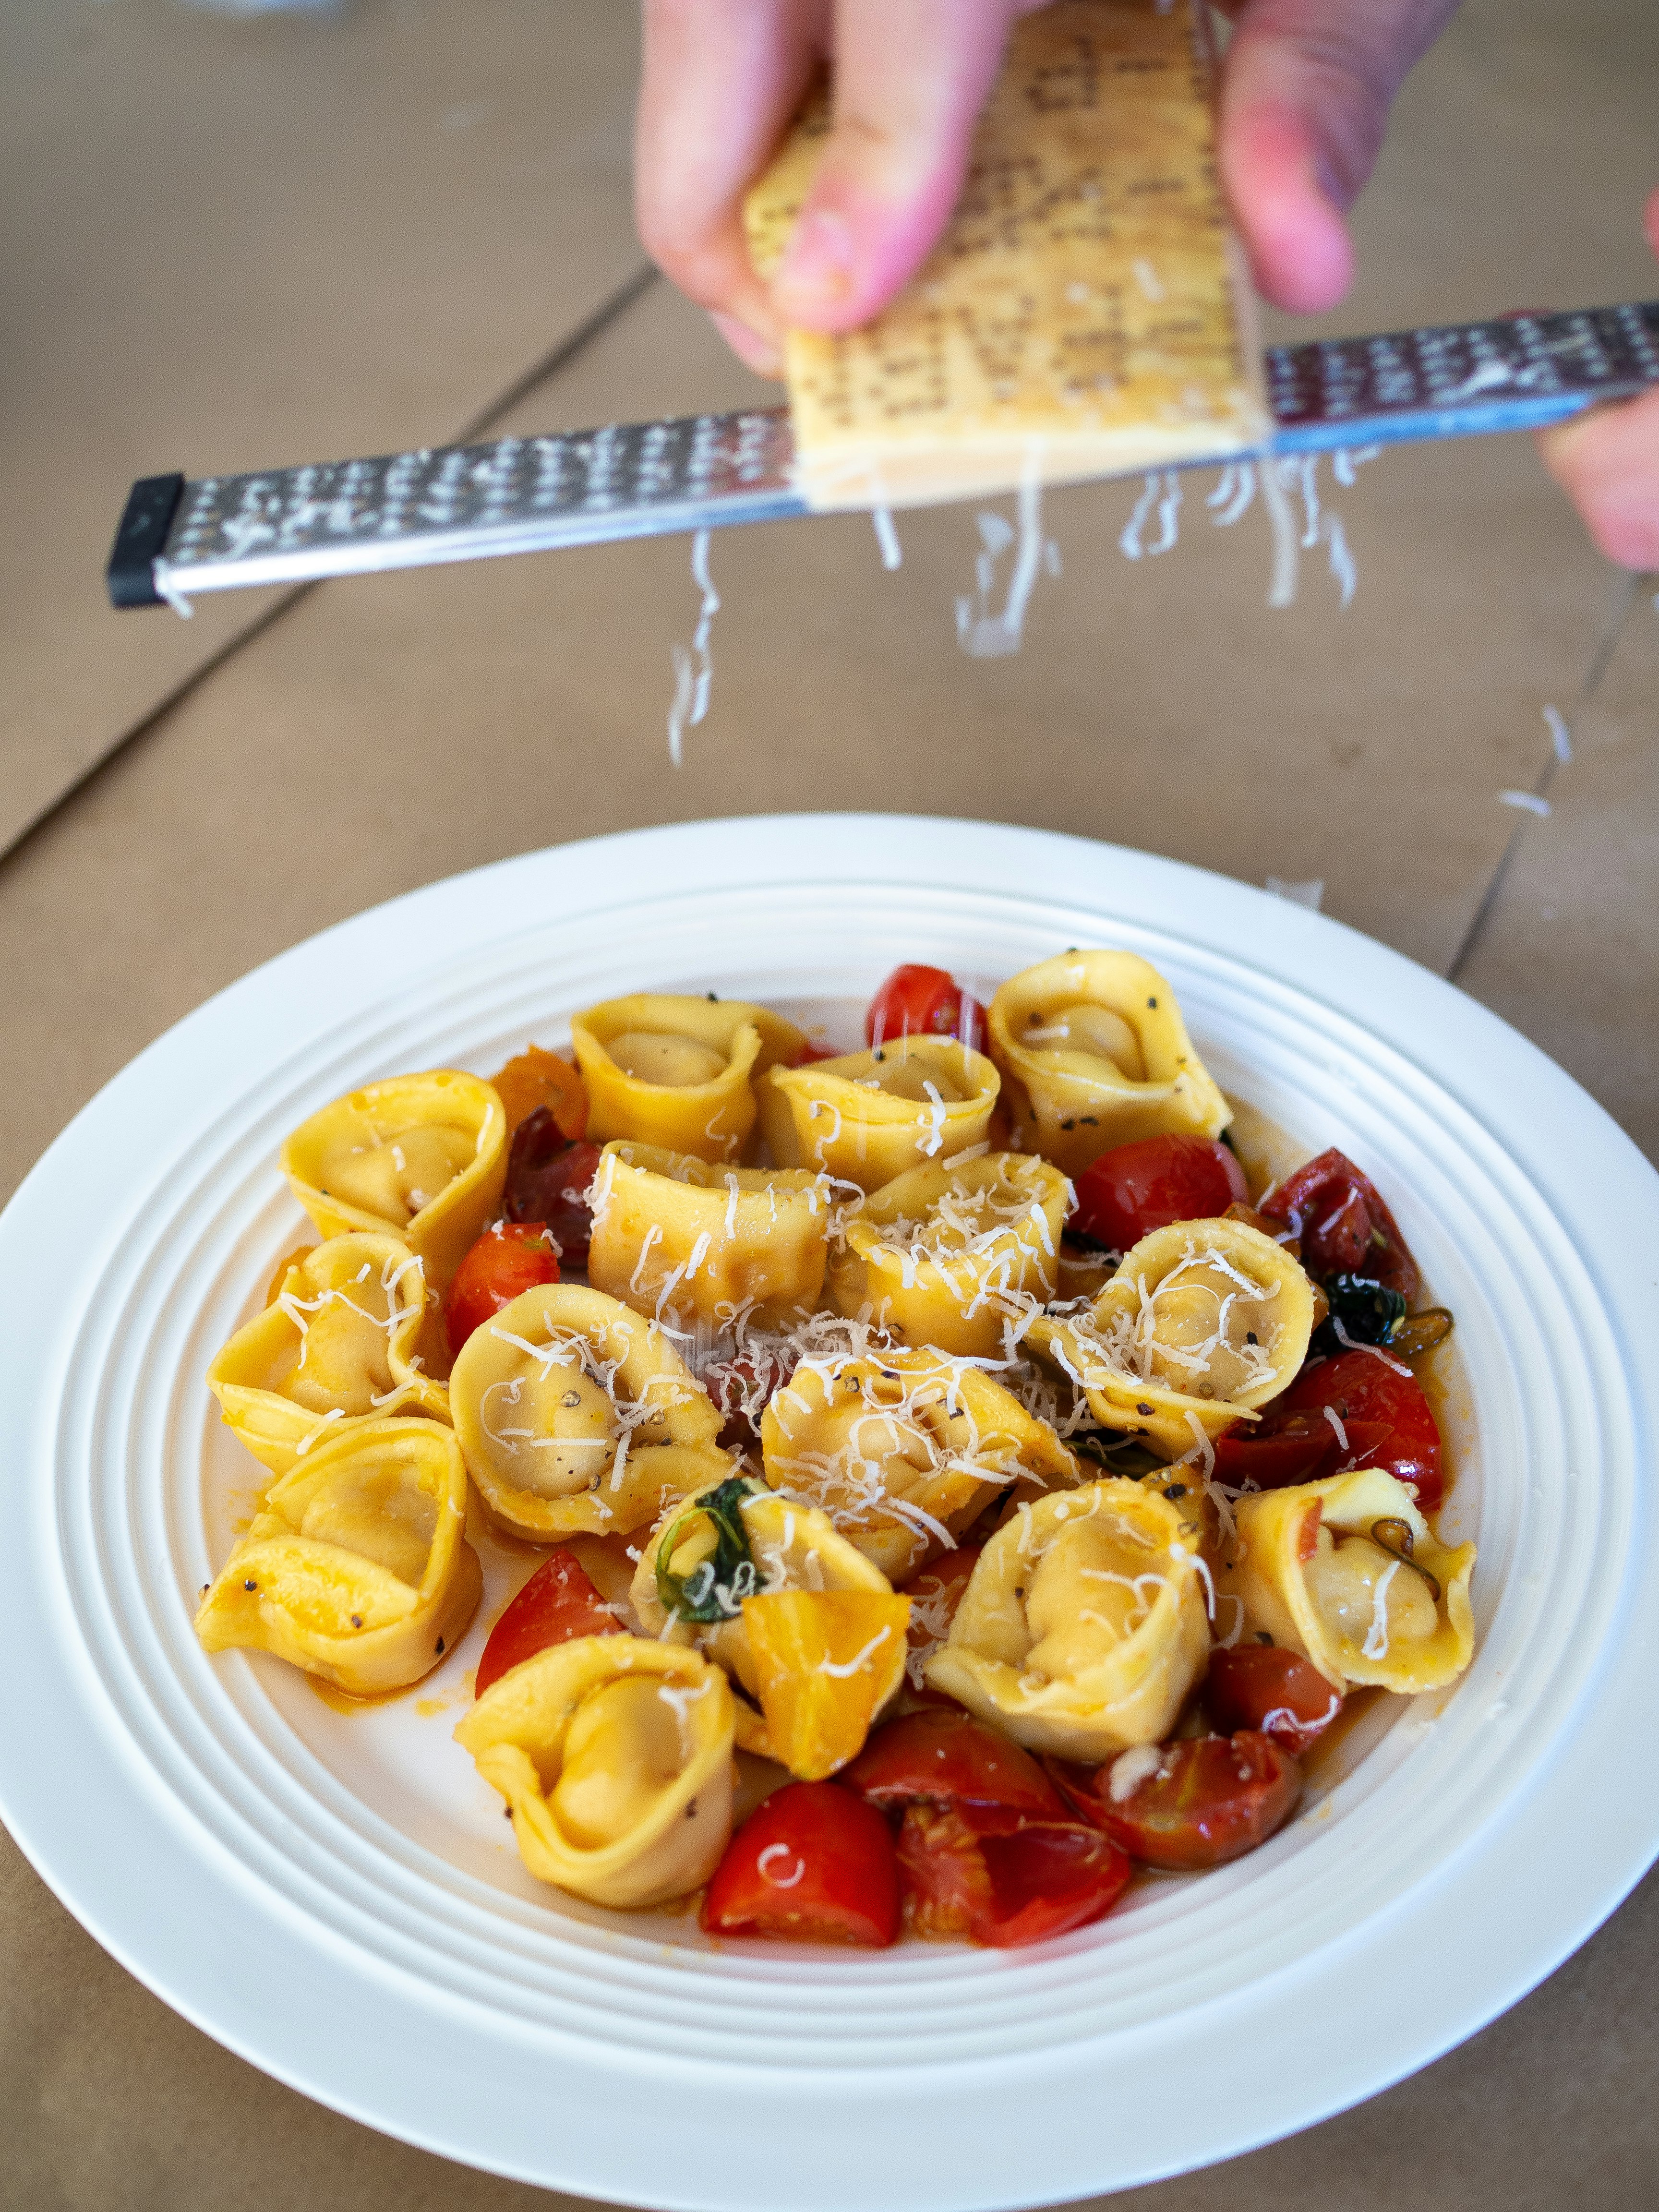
pixel 817 269
pixel 751 347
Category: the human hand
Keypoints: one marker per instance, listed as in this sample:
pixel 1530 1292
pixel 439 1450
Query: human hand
pixel 1305 96
pixel 1607 463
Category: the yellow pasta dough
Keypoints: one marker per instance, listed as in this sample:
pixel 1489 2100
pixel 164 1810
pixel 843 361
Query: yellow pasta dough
pixel 1347 1572
pixel 948 1257
pixel 614 1755
pixel 729 1544
pixel 1203 1323
pixel 903 1449
pixel 337 1344
pixel 691 1240
pixel 420 1158
pixel 1094 1053
pixel 356 1568
pixel 677 1072
pixel 1082 1626
pixel 576 1416
pixel 869 1116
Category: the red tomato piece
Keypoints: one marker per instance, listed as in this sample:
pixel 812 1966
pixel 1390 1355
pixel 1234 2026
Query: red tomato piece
pixel 558 1603
pixel 1135 1189
pixel 547 1180
pixel 1277 1693
pixel 999 1880
pixel 1344 1226
pixel 811 1863
pixel 1209 1798
pixel 934 1596
pixel 949 1758
pixel 1304 1450
pixel 741 1389
pixel 924 1002
pixel 1385 1415
pixel 508 1260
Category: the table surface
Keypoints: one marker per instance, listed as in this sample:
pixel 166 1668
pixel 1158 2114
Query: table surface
pixel 230 243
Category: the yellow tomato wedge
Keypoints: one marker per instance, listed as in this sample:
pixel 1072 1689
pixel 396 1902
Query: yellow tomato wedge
pixel 828 1661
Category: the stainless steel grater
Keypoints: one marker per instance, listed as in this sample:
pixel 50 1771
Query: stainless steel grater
pixel 704 472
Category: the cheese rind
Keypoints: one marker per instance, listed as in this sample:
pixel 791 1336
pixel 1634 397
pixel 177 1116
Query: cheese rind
pixel 1083 314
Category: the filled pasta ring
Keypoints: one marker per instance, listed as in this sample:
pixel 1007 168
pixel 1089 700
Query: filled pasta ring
pixel 614 1755
pixel 1094 1053
pixel 420 1158
pixel 356 1567
pixel 676 1235
pixel 1083 1627
pixel 338 1343
pixel 869 1116
pixel 576 1417
pixel 903 1449
pixel 709 1575
pixel 1202 1323
pixel 677 1072
pixel 1347 1572
pixel 948 1257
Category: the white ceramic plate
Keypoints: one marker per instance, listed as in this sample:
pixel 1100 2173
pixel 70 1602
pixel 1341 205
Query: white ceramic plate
pixel 336 1897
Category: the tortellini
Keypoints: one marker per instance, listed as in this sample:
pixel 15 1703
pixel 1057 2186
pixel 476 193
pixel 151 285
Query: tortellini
pixel 576 1416
pixel 1094 1053
pixel 903 1449
pixel 614 1755
pixel 946 1256
pixel 1347 1572
pixel 337 1343
pixel 420 1158
pixel 1083 1627
pixel 691 1240
pixel 1203 1323
pixel 868 1116
pixel 729 1545
pixel 677 1072
pixel 356 1568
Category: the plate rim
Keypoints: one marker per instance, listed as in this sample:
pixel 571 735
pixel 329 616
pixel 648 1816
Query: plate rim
pixel 1289 944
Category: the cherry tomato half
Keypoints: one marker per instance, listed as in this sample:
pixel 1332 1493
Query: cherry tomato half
pixel 934 1596
pixel 1386 1418
pixel 1304 1450
pixel 1277 1693
pixel 924 1002
pixel 1344 1227
pixel 559 1602
pixel 508 1260
pixel 547 1180
pixel 1208 1800
pixel 811 1863
pixel 1135 1189
pixel 950 1759
pixel 538 1078
pixel 741 1389
pixel 999 1880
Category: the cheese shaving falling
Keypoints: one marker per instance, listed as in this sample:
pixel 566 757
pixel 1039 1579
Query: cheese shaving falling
pixel 692 679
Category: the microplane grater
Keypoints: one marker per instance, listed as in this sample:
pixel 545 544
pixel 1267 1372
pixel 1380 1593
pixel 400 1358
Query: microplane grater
pixel 705 471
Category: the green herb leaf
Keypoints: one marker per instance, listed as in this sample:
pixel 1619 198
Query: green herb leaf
pixel 717 1586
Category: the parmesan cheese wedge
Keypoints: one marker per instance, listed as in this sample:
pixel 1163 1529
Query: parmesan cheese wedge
pixel 1086 314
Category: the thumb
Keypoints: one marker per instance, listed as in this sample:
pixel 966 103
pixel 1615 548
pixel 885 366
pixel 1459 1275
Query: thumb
pixel 1305 99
